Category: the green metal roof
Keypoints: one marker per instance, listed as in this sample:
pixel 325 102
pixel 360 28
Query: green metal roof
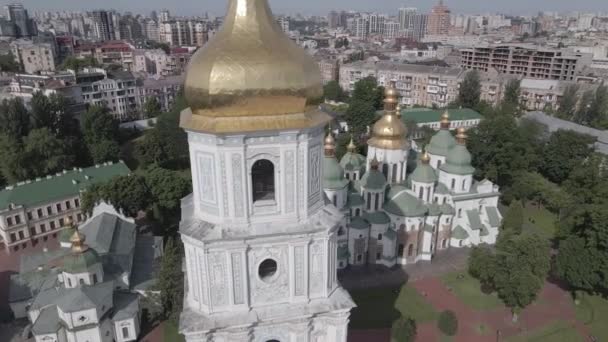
pixel 373 180
pixel 493 216
pixel 66 234
pixel 424 173
pixel 447 209
pixel 458 161
pixel 424 115
pixel 358 223
pixel 333 174
pixel 474 219
pixel 442 189
pixel 434 209
pixel 402 203
pixel 352 161
pixel 378 217
pixel 460 233
pixel 441 143
pixel 59 186
pixel 80 262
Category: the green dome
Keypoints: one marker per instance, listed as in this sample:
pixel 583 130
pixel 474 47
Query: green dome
pixel 402 203
pixel 458 161
pixel 441 143
pixel 333 174
pixel 66 234
pixel 424 173
pixel 373 180
pixel 352 161
pixel 80 262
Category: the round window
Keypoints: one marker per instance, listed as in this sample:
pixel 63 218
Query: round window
pixel 267 269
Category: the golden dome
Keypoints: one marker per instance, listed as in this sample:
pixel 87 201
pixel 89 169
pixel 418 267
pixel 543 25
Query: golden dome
pixel 389 132
pixel 77 241
pixel 445 120
pixel 330 145
pixel 461 135
pixel 425 158
pixel 352 148
pixel 251 77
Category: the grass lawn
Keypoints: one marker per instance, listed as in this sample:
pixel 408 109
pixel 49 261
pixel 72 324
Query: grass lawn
pixel 554 332
pixel 380 307
pixel 593 311
pixel 468 290
pixel 542 220
pixel 170 332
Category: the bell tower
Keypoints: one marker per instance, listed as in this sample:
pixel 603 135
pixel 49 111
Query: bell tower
pixel 260 243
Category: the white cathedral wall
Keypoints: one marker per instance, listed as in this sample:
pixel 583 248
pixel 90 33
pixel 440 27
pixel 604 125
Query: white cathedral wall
pixel 132 329
pixel 396 160
pixel 303 272
pixel 340 196
pixel 437 160
pixel 221 170
pixel 458 181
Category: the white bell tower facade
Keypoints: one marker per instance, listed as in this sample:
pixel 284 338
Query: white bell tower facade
pixel 260 243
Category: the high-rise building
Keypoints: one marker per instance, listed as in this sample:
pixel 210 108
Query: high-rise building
pixel 406 18
pixel 391 30
pixel 361 26
pixel 165 15
pixel 333 19
pixel 412 24
pixel 376 23
pixel 18 22
pixel 103 25
pixel 283 22
pixel 260 241
pixel 183 32
pixel 439 20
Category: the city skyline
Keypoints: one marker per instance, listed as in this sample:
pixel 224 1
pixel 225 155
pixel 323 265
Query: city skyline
pixel 318 7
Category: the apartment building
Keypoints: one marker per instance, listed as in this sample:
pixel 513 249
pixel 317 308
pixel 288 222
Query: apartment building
pixel 159 63
pixel 418 84
pixel 329 66
pixel 183 33
pixel 165 89
pixel 36 210
pixel 35 57
pixel 526 60
pixel 117 91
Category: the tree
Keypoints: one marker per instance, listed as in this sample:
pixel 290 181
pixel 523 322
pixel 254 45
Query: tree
pixel 522 264
pixel 98 124
pixel 510 102
pixel 564 151
pixel 583 114
pixel 44 153
pixel 403 330
pixel 14 164
pixel 598 109
pixel 170 281
pixel 514 218
pixel 8 64
pixel 152 107
pixel 360 115
pixel 567 103
pixel 470 90
pixel 482 266
pixel 367 90
pixel 14 118
pixel 129 194
pixel 77 64
pixel 578 264
pixel 167 187
pixel 448 323
pixel 104 150
pixel 333 92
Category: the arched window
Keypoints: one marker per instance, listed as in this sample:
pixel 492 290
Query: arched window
pixel 435 200
pixel 379 237
pixel 385 170
pixel 410 250
pixel 445 199
pixel 444 243
pixel 453 184
pixel 459 212
pixel 421 193
pixel 357 212
pixel 340 231
pixel 262 178
pixel 347 175
pixel 81 281
pixel 376 201
pixel 438 163
pixel 464 184
pixel 460 243
pixel 402 227
pixel 369 200
pixel 335 200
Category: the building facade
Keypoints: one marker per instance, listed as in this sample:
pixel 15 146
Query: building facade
pixel 259 240
pixel 34 57
pixel 526 60
pixel 38 209
pixel 439 20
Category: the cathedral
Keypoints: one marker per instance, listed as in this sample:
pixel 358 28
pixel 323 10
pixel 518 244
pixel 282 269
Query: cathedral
pixel 396 217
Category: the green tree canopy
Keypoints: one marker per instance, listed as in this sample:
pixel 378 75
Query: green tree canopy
pixel 564 151
pixel 167 187
pixel 8 63
pixel 567 103
pixel 514 218
pixel 367 90
pixel 510 103
pixel 14 118
pixel 448 323
pixel 333 92
pixel 152 107
pixel 170 280
pixel 403 330
pixel 360 115
pixel 77 64
pixel 469 94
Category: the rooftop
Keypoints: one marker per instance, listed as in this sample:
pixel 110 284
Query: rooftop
pixel 425 115
pixel 61 185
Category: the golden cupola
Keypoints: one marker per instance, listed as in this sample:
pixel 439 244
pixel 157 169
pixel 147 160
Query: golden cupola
pixel 389 132
pixel 251 77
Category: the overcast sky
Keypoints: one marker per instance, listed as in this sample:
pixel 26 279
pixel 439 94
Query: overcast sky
pixel 217 7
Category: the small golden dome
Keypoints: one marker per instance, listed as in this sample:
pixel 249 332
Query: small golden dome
pixel 251 77
pixel 330 145
pixel 461 135
pixel 389 132
pixel 445 120
pixel 352 148
pixel 77 240
pixel 374 164
pixel 425 158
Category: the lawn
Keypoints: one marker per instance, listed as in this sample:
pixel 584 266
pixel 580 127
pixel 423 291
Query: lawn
pixel 170 332
pixel 541 220
pixel 593 311
pixel 380 307
pixel 554 332
pixel 468 290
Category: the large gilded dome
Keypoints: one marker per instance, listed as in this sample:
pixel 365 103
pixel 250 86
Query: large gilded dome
pixel 251 77
pixel 389 132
